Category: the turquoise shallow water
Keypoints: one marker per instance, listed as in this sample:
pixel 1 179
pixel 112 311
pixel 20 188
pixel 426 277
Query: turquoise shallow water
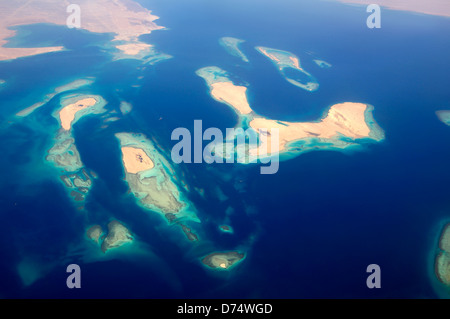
pixel 310 230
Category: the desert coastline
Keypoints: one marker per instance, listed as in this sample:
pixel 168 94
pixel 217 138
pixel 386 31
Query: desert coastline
pixel 126 19
pixel 432 7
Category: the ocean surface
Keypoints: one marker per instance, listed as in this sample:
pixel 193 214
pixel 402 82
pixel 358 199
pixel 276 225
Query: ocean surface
pixel 309 231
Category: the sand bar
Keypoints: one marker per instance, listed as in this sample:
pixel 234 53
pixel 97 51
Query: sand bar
pixel 60 89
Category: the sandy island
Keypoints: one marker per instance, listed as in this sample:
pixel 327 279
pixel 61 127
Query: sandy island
pixel 67 114
pixel 125 107
pixel 442 263
pixel 286 60
pixel 222 260
pixel 226 229
pixel 60 89
pixel 152 180
pixel 64 153
pixel 231 45
pixel 118 235
pixel 94 233
pixel 343 125
pixel 223 90
pixel 140 51
pixel 344 119
pixel 322 64
pixel 76 106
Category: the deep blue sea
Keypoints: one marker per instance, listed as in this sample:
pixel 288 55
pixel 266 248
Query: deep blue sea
pixel 310 230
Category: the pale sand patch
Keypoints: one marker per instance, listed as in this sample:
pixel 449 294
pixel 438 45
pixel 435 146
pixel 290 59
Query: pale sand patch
pixel 133 48
pixel 269 55
pixel 232 46
pixel 136 160
pixel 94 233
pixel 442 263
pixel 442 268
pixel 118 235
pixel 222 260
pixel 444 242
pixel 347 119
pixel 295 62
pixel 125 107
pixel 433 7
pixel 67 114
pixel 231 94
